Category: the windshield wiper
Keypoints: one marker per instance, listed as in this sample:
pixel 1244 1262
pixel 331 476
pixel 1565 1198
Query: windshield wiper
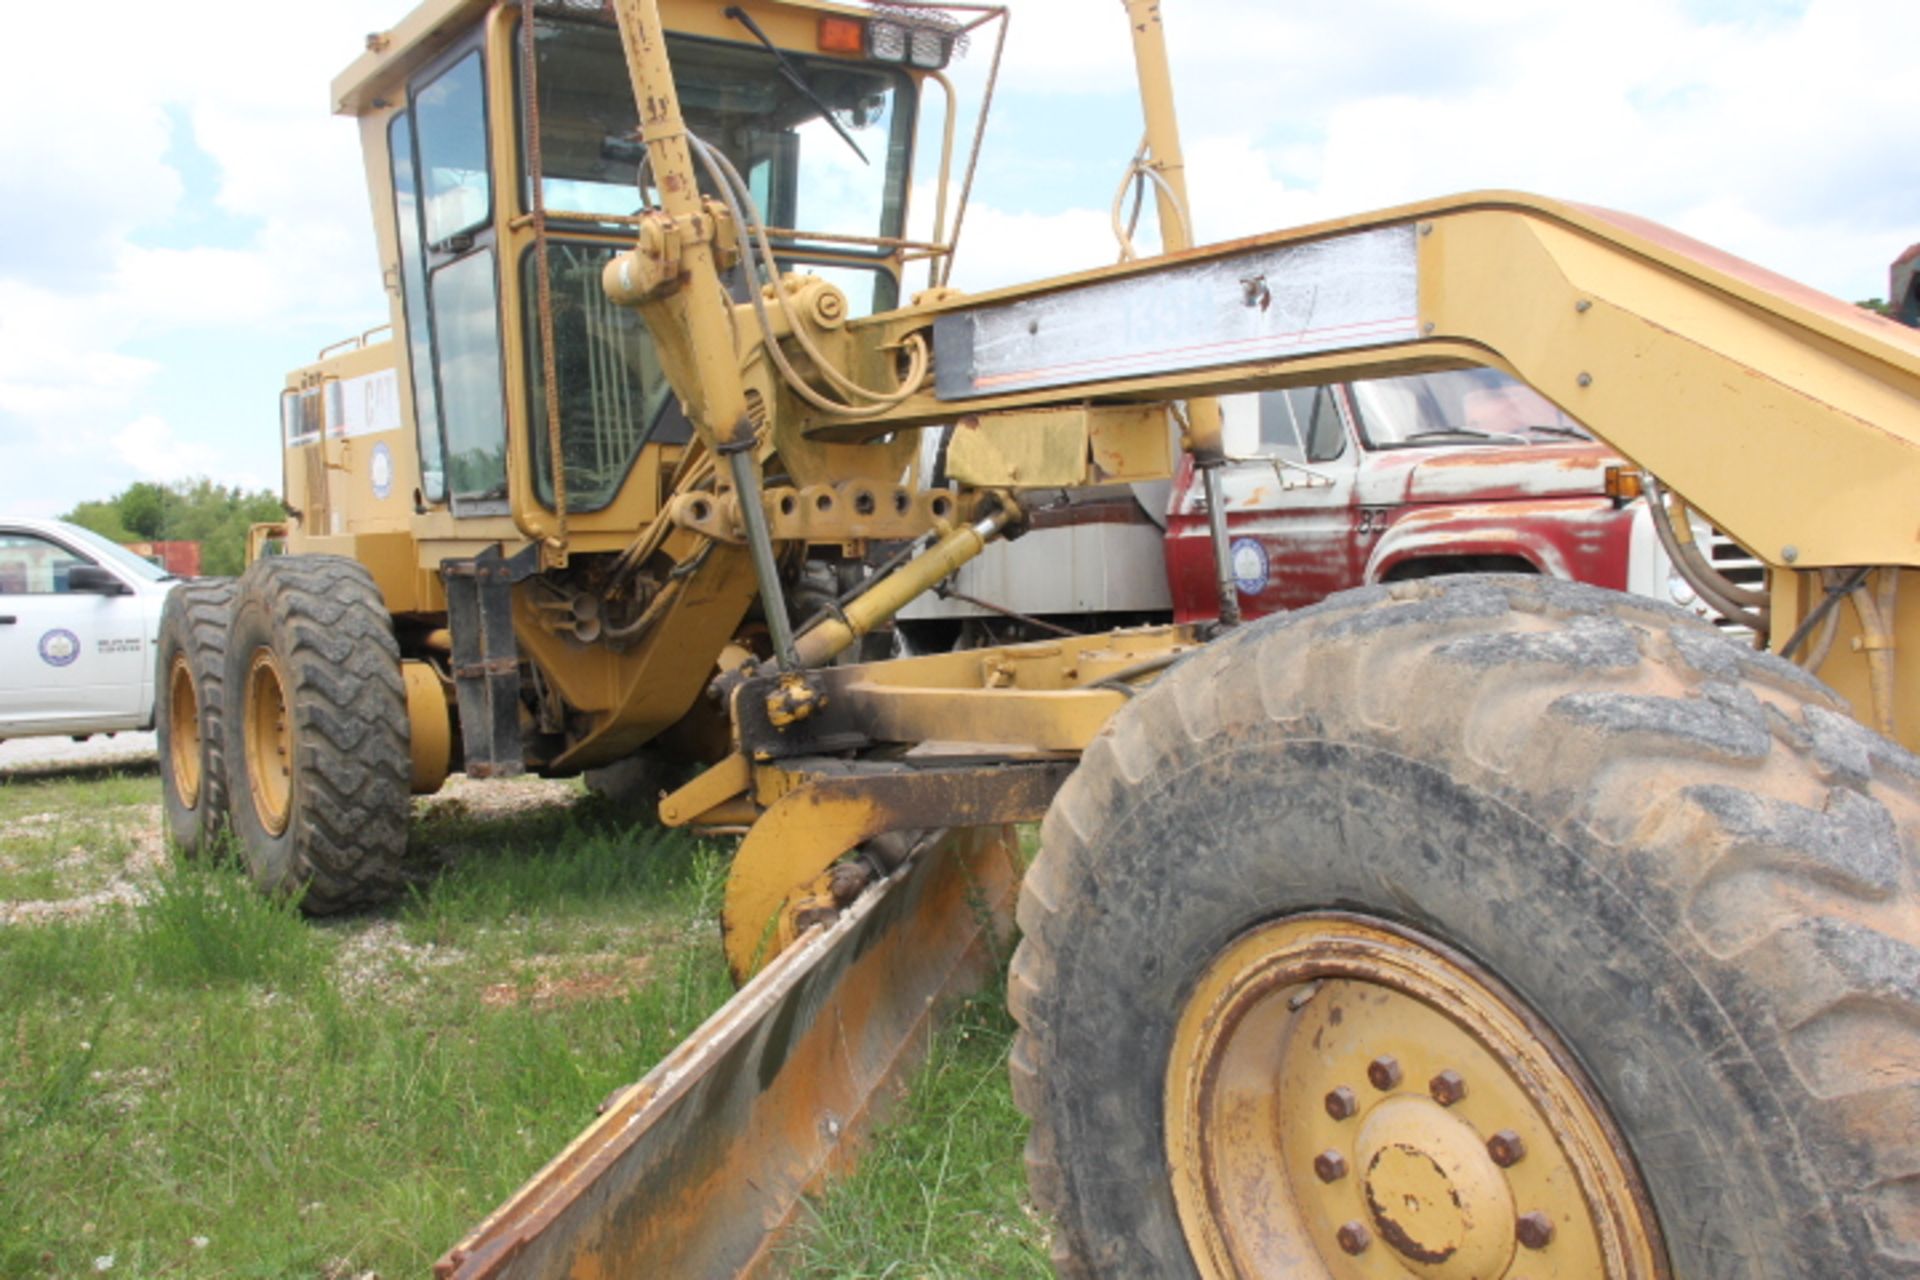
pixel 1555 429
pixel 1448 431
pixel 794 78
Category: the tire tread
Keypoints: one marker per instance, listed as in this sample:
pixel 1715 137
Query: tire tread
pixel 1746 811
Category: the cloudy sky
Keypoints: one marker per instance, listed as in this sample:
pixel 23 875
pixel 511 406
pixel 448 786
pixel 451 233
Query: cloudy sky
pixel 181 220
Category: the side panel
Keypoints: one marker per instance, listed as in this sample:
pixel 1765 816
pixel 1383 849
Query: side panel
pixel 1328 295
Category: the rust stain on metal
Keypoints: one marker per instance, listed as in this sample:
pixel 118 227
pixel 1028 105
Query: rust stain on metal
pixel 697 1169
pixel 1394 1233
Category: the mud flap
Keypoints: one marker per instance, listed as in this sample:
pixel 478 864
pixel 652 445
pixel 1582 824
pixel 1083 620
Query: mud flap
pixel 697 1169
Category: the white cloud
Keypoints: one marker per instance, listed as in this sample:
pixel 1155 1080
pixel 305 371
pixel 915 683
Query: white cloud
pixel 152 450
pixel 1784 136
pixel 94 257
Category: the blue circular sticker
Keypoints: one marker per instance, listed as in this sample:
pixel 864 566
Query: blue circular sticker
pixel 1249 560
pixel 381 468
pixel 59 647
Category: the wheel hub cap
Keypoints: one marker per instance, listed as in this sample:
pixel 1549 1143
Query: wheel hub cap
pixel 269 743
pixel 1350 1100
pixel 1432 1193
pixel 183 731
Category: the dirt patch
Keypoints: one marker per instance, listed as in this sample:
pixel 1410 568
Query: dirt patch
pixel 541 984
pixel 23 758
pixel 128 885
pixel 463 797
pixel 377 960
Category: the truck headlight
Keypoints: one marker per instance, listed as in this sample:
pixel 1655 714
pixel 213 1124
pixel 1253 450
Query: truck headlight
pixel 1679 590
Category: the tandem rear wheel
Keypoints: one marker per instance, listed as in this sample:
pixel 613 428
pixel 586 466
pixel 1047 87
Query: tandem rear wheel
pixel 317 733
pixel 1477 928
pixel 190 712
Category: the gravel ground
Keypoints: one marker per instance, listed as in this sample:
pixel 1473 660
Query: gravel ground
pixel 35 755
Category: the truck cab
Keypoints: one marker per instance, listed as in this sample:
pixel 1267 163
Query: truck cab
pixel 78 617
pixel 1351 483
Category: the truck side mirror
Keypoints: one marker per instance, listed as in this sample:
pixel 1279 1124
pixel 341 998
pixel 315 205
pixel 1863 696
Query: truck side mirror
pixel 91 578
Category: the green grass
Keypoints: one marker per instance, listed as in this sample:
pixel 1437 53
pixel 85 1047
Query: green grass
pixel 940 1192
pixel 64 833
pixel 205 1083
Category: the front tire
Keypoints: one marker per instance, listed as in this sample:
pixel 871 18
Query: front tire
pixel 190 712
pixel 1644 896
pixel 317 734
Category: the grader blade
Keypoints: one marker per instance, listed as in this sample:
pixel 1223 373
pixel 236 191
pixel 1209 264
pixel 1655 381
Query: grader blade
pixel 696 1170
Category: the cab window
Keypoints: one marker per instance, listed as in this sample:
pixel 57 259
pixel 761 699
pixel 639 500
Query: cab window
pixel 467 341
pixel 31 566
pixel 451 115
pixel 454 201
pixel 1459 407
pixel 1301 424
pixel 413 281
pixel 611 387
pixel 804 174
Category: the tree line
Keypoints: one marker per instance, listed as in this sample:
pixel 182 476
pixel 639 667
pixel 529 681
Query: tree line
pixel 216 516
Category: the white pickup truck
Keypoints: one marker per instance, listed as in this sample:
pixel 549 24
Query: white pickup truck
pixel 79 619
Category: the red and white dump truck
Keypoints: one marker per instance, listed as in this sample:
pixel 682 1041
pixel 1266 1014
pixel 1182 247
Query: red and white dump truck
pixel 1332 487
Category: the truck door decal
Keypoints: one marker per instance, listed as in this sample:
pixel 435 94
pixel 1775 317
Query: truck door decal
pixel 59 647
pixel 1250 566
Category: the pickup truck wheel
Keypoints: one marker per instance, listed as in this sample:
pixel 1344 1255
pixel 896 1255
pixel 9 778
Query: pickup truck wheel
pixel 189 716
pixel 1477 927
pixel 317 733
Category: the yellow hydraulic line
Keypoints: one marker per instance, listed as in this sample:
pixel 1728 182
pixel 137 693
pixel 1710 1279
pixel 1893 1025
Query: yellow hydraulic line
pixel 946 173
pixel 719 407
pixel 1163 126
pixel 1202 437
pixel 823 641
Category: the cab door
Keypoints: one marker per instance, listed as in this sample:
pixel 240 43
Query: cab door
pixel 69 660
pixel 445 191
pixel 1290 502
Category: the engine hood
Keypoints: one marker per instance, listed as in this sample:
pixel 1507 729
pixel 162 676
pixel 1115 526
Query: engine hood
pixel 1535 471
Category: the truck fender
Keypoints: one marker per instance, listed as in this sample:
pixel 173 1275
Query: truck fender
pixel 1479 529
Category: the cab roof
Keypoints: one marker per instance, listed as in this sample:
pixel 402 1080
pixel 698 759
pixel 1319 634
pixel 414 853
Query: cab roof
pixel 392 55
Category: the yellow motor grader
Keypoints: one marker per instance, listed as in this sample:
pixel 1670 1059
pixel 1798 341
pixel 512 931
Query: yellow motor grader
pixel 1458 928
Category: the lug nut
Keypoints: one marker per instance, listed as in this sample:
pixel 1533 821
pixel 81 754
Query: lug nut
pixel 1331 1166
pixel 1354 1237
pixel 1447 1088
pixel 1341 1104
pixel 1534 1230
pixel 1384 1072
pixel 1506 1148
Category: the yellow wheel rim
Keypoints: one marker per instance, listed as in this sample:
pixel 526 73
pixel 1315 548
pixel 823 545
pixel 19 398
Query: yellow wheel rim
pixel 183 730
pixel 1349 1100
pixel 269 742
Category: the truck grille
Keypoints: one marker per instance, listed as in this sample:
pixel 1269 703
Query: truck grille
pixel 1736 564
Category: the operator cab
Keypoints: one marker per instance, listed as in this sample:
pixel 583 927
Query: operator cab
pixel 815 104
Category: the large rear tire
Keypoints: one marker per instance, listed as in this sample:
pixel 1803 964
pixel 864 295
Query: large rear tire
pixel 190 712
pixel 317 733
pixel 1352 899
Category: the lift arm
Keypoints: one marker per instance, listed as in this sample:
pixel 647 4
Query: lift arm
pixel 1788 418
